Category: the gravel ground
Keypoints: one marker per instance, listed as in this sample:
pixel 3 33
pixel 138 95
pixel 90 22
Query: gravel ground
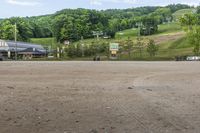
pixel 99 97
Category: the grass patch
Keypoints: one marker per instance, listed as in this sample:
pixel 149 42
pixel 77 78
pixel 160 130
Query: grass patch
pixel 168 28
pixel 162 29
pixel 180 47
pixel 127 33
pixel 178 14
pixel 180 43
pixel 46 42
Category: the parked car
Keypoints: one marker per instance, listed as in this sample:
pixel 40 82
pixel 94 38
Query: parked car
pixel 181 58
pixel 193 58
pixel 1 57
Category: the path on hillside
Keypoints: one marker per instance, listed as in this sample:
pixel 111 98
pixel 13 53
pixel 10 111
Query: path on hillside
pixel 168 37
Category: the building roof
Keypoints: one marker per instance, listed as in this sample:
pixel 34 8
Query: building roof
pixel 24 45
pixel 32 51
pixel 11 46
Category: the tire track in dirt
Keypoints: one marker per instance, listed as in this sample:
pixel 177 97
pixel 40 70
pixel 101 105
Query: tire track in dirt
pixel 164 112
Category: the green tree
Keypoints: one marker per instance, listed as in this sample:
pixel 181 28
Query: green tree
pixel 152 48
pixel 191 22
pixel 149 25
pixel 194 37
pixel 128 47
pixel 198 10
pixel 78 50
pixel 176 7
pixel 71 50
pixel 140 45
pixel 24 31
pixel 6 30
pixel 164 13
pixel 188 21
pixel 23 27
pixel 94 48
pixel 105 48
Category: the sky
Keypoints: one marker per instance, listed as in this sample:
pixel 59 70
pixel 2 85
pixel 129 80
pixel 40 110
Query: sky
pixel 22 8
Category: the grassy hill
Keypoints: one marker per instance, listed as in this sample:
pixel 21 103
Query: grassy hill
pixel 162 29
pixel 170 39
pixel 168 50
pixel 178 14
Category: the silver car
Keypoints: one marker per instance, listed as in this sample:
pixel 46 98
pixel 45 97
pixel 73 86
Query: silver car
pixel 193 58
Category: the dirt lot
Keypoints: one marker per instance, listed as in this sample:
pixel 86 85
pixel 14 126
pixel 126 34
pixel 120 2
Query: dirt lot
pixel 99 97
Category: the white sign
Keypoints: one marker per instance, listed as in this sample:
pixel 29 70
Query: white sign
pixel 114 46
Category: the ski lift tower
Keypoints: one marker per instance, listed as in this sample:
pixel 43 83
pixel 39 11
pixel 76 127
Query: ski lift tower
pixel 97 34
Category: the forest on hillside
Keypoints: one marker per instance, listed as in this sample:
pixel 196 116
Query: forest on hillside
pixel 74 24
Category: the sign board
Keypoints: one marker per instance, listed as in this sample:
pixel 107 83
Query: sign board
pixel 114 52
pixel 114 46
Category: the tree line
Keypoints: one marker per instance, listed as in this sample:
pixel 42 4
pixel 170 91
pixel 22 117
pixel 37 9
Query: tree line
pixel 191 24
pixel 127 47
pixel 74 24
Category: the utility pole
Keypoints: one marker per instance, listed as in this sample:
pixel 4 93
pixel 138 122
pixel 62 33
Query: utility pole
pixel 52 42
pixel 15 41
pixel 139 24
pixel 82 47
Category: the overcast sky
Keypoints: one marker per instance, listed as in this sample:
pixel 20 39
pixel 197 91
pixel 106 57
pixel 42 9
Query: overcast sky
pixel 9 8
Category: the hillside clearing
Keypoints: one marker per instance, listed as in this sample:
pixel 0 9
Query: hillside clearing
pixel 178 14
pixel 168 37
